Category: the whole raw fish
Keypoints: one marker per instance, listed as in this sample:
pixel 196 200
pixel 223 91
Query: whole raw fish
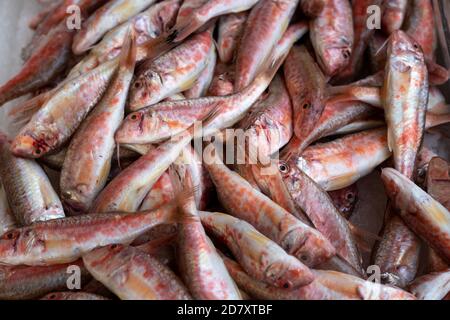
pixel 335 117
pixel 424 215
pixel 150 24
pixel 127 191
pixel 167 119
pixel 328 285
pixel 201 266
pixel 397 254
pixel 23 282
pixel 246 203
pixel 306 86
pixel 58 119
pixel 231 28
pixel 104 19
pixel 342 162
pixel 261 257
pixel 58 13
pixel 66 240
pixel 203 13
pixel 88 160
pixel 332 36
pixel 29 192
pixel 320 209
pixel 269 122
pixel 405 98
pixel 42 67
pixel 266 24
pixel 362 36
pixel 172 73
pixel 134 275
pixel 434 286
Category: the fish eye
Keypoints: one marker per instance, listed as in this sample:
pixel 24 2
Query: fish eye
pixel 11 235
pixel 346 54
pixel 114 247
pixel 283 167
pixel 304 258
pixel 134 117
pixel 350 196
pixel 137 85
pixel 306 105
pixel 286 285
pixel 52 297
pixel 38 151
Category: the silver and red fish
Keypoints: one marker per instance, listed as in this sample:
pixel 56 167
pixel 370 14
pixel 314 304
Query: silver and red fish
pixel 134 275
pixel 150 24
pixel 48 60
pixel 306 86
pixel 172 73
pixel 199 262
pixel 425 216
pixel 259 256
pixel 104 19
pixel 66 240
pixel 246 203
pixel 266 24
pixel 340 163
pixel 405 99
pixel 30 194
pixel 199 13
pixel 88 160
pixel 25 283
pixel 332 36
pixel 328 285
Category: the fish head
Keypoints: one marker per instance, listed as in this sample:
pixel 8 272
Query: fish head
pixel 18 243
pixel 288 273
pixel 74 200
pixel 138 127
pixel 405 49
pixel 27 146
pixel 146 90
pixel 335 58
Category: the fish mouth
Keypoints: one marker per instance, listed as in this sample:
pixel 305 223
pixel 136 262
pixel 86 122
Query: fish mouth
pixel 24 146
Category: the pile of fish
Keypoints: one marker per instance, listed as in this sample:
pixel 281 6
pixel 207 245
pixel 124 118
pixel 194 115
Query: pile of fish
pixel 148 206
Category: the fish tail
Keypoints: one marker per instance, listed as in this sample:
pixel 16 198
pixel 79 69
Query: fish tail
pixel 184 31
pixel 129 50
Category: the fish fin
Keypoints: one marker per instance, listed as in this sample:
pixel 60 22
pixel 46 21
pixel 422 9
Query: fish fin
pixel 383 46
pixel 160 45
pixel 184 190
pixel 129 50
pixel 30 107
pixel 211 116
pixel 390 139
pixel 185 30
